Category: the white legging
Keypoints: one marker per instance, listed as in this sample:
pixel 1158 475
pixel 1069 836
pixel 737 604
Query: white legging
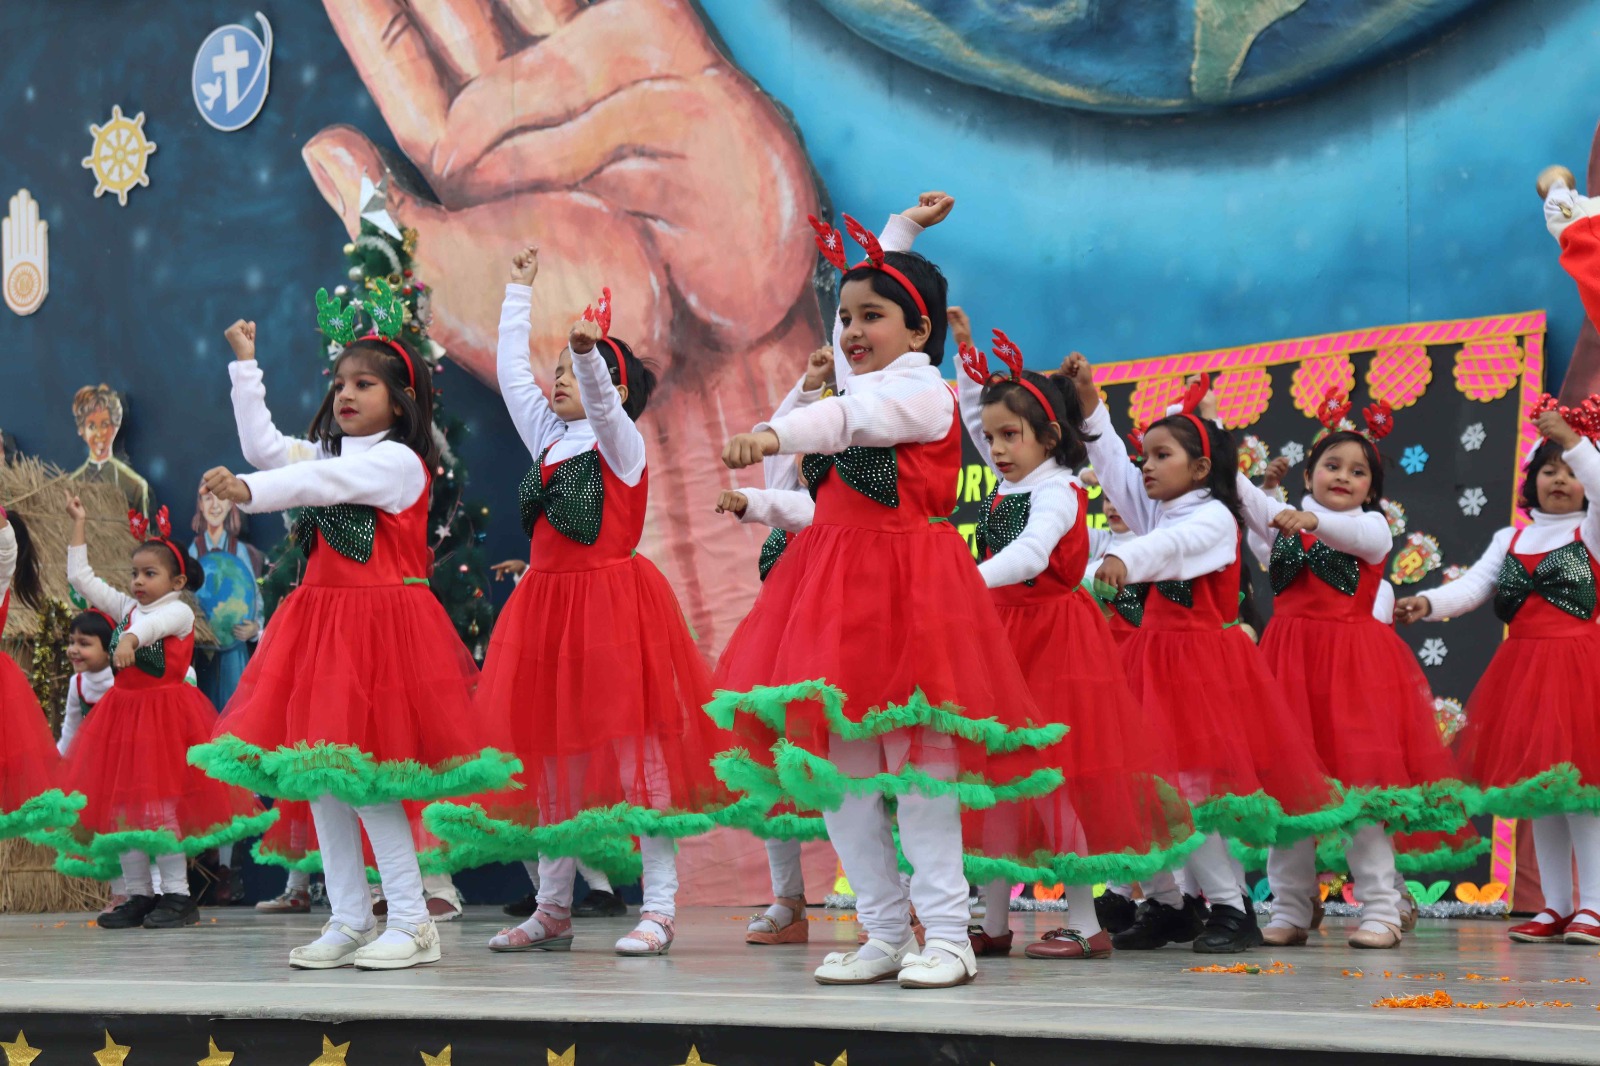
pixel 1557 838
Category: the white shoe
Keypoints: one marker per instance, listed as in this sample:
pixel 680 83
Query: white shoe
pixel 316 956
pixel 849 968
pixel 421 946
pixel 930 971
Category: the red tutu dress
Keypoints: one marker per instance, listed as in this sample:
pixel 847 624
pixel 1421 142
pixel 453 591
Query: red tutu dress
pixel 1359 687
pixel 360 688
pixel 128 759
pixel 1532 738
pixel 1114 818
pixel 868 629
pixel 30 800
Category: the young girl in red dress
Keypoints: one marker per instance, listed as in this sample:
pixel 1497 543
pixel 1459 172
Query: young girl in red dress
pixel 1347 676
pixel 1113 819
pixel 30 802
pixel 856 671
pixel 359 696
pixel 592 670
pixel 129 757
pixel 1249 773
pixel 1533 733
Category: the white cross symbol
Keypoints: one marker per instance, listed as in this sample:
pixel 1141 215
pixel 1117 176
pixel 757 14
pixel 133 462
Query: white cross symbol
pixel 229 64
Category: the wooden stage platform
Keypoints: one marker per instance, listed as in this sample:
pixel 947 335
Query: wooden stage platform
pixel 164 995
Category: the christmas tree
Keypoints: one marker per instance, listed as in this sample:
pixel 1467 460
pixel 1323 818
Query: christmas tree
pixel 382 255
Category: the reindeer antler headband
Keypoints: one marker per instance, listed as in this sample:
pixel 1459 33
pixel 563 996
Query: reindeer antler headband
pixel 1005 350
pixel 338 322
pixel 139 526
pixel 832 247
pixel 1378 416
pixel 1187 408
pixel 600 315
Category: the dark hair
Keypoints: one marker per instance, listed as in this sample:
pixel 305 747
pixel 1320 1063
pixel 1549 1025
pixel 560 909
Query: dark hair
pixel 642 379
pixel 184 564
pixel 1224 456
pixel 414 426
pixel 92 624
pixel 1068 449
pixel 26 581
pixel 1368 449
pixel 931 285
pixel 1548 450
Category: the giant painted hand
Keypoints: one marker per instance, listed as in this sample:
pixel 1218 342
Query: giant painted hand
pixel 616 138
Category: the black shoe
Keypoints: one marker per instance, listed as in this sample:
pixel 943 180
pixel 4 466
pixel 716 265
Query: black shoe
pixel 129 915
pixel 173 911
pixel 524 907
pixel 1228 930
pixel 1155 925
pixel 600 905
pixel 1114 913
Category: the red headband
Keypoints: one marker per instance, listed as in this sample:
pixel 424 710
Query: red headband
pixel 1005 350
pixel 1191 402
pixel 399 349
pixel 109 620
pixel 139 526
pixel 600 315
pixel 832 247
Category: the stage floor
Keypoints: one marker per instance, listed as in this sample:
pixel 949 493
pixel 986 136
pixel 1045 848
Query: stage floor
pixel 234 966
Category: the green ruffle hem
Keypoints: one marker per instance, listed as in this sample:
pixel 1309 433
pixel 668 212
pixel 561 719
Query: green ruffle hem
pixel 1558 790
pixel 97 856
pixel 51 809
pixel 310 771
pixel 1331 857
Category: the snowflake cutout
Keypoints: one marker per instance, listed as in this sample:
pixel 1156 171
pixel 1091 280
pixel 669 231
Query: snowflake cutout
pixel 1472 501
pixel 1473 436
pixel 1292 452
pixel 1414 459
pixel 1433 652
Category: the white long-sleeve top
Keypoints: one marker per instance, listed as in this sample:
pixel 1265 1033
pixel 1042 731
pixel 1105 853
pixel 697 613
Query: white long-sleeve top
pixel 1364 534
pixel 1177 540
pixel 369 470
pixel 899 234
pixel 166 617
pixel 8 559
pixel 1052 510
pixel 906 402
pixel 608 425
pixel 84 690
pixel 785 502
pixel 1103 542
pixel 1548 532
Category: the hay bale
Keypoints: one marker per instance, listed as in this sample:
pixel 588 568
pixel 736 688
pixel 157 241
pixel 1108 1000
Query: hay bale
pixel 29 883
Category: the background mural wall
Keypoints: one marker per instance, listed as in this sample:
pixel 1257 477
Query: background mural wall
pixel 1127 186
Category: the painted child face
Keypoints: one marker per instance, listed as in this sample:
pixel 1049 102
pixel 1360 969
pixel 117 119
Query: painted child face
pixel 875 333
pixel 151 577
pixel 1016 450
pixel 98 433
pixel 1558 488
pixel 86 653
pixel 214 509
pixel 1342 479
pixel 1168 470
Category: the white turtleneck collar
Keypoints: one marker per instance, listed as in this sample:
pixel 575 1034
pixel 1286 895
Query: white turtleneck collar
pixel 1048 472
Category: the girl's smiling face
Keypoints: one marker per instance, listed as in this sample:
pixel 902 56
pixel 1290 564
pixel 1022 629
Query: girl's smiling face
pixel 86 653
pixel 874 330
pixel 1342 477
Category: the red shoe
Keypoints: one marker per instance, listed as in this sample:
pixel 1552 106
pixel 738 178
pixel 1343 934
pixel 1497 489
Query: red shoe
pixel 1544 932
pixel 1070 944
pixel 984 944
pixel 1581 930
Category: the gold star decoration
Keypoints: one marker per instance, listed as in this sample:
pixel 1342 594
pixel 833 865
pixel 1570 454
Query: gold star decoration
pixel 568 1057
pixel 215 1057
pixel 840 1061
pixel 113 1053
pixel 441 1059
pixel 18 1053
pixel 332 1054
pixel 694 1058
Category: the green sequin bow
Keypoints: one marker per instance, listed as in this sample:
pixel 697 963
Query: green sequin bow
pixel 772 550
pixel 572 500
pixel 1562 579
pixel 1290 556
pixel 152 659
pixel 1130 599
pixel 873 472
pixel 1001 520
pixel 348 528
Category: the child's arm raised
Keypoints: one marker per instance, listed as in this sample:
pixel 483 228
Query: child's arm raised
pixel 388 476
pixel 1119 478
pixel 621 443
pixel 80 575
pixel 8 554
pixel 969 392
pixel 1578 453
pixel 1051 513
pixel 537 425
pixel 263 446
pixel 1466 593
